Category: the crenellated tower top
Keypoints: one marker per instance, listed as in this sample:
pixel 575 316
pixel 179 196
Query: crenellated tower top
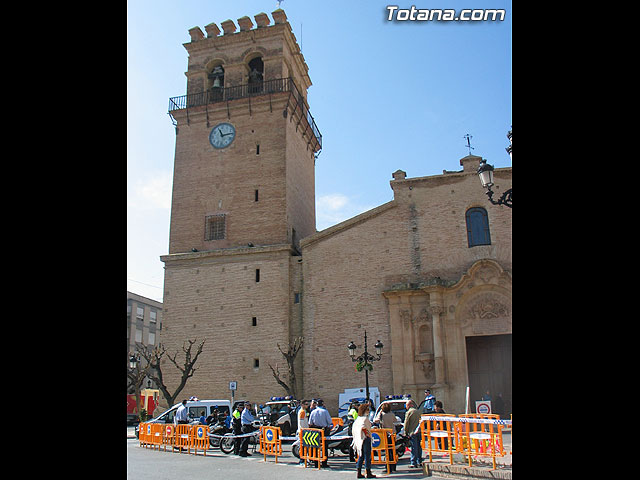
pixel 224 56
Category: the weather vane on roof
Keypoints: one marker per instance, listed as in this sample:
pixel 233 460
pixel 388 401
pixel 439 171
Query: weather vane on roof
pixel 468 137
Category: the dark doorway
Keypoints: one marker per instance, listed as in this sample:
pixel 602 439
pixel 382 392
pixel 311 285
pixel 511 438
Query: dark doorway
pixel 489 367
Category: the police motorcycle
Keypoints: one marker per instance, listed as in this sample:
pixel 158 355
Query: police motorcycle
pixel 227 442
pixel 333 445
pixel 402 442
pixel 218 428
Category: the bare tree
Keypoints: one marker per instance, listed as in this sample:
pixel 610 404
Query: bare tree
pixel 185 366
pixel 135 377
pixel 290 357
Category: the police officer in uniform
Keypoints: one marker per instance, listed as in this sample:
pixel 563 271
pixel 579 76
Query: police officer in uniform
pixel 351 417
pixel 429 404
pixel 237 427
pixel 246 419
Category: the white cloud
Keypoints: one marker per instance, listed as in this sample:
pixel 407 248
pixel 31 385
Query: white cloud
pixel 333 201
pixel 334 208
pixel 153 192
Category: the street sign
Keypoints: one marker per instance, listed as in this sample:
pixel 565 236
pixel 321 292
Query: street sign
pixel 233 385
pixel 269 434
pixel 310 438
pixel 375 439
pixel 483 406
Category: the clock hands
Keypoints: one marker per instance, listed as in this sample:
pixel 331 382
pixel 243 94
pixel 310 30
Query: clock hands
pixel 217 135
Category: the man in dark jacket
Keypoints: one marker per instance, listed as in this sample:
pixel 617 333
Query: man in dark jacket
pixel 411 422
pixel 237 427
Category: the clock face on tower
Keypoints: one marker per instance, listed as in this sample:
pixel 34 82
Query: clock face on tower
pixel 222 135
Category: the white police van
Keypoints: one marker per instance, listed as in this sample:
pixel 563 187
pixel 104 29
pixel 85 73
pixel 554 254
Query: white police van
pixel 195 409
pixel 281 412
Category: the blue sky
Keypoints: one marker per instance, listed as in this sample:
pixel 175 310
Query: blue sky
pixel 385 96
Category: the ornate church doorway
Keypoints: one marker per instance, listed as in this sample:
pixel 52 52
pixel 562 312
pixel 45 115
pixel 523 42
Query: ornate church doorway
pixel 489 368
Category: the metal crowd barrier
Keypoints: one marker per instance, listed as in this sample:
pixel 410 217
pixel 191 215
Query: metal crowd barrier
pixel 312 445
pixel 472 435
pixel 182 437
pixel 383 444
pixel 438 436
pixel 270 442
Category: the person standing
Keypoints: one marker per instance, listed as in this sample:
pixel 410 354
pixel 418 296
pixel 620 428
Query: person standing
pixel 320 418
pixel 181 414
pixel 303 420
pixel 352 415
pixel 387 419
pixel 411 422
pixel 497 405
pixel 303 415
pixel 362 440
pixel 353 411
pixel 429 401
pixel 237 427
pixel 246 419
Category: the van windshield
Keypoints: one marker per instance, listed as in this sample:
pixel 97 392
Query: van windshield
pixel 167 417
pixel 196 412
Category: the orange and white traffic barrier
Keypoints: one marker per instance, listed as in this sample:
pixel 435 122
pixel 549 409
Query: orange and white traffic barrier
pixel 270 442
pixel 438 436
pixel 383 444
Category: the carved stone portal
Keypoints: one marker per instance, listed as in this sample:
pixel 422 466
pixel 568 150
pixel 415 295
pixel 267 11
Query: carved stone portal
pixel 486 314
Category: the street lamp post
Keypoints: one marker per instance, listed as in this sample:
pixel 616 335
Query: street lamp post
pixel 134 361
pixel 485 172
pixel 364 360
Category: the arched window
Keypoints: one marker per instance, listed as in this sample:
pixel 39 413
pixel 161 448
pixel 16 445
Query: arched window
pixel 216 83
pixel 478 227
pixel 256 75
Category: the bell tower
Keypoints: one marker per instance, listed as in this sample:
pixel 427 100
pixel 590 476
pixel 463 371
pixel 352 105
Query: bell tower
pixel 246 142
pixel 243 198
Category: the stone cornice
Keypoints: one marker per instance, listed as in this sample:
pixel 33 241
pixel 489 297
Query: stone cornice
pixel 228 252
pixel 447 178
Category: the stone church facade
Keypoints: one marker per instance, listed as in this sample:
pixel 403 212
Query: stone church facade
pixel 247 270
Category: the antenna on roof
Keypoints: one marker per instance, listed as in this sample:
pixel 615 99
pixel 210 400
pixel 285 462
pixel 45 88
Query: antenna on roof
pixel 468 137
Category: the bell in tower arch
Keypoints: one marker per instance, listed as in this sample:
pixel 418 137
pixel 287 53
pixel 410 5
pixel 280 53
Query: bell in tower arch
pixel 217 75
pixel 256 75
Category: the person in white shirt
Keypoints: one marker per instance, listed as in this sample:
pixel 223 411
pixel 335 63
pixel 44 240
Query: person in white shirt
pixel 303 420
pixel 181 414
pixel 303 415
pixel 362 440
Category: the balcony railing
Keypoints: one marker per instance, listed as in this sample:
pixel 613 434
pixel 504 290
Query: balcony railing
pixel 227 94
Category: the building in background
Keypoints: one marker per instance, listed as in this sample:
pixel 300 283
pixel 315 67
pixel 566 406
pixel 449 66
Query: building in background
pixel 144 322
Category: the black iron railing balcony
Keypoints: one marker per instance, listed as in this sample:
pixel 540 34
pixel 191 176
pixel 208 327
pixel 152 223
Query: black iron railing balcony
pixel 227 94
